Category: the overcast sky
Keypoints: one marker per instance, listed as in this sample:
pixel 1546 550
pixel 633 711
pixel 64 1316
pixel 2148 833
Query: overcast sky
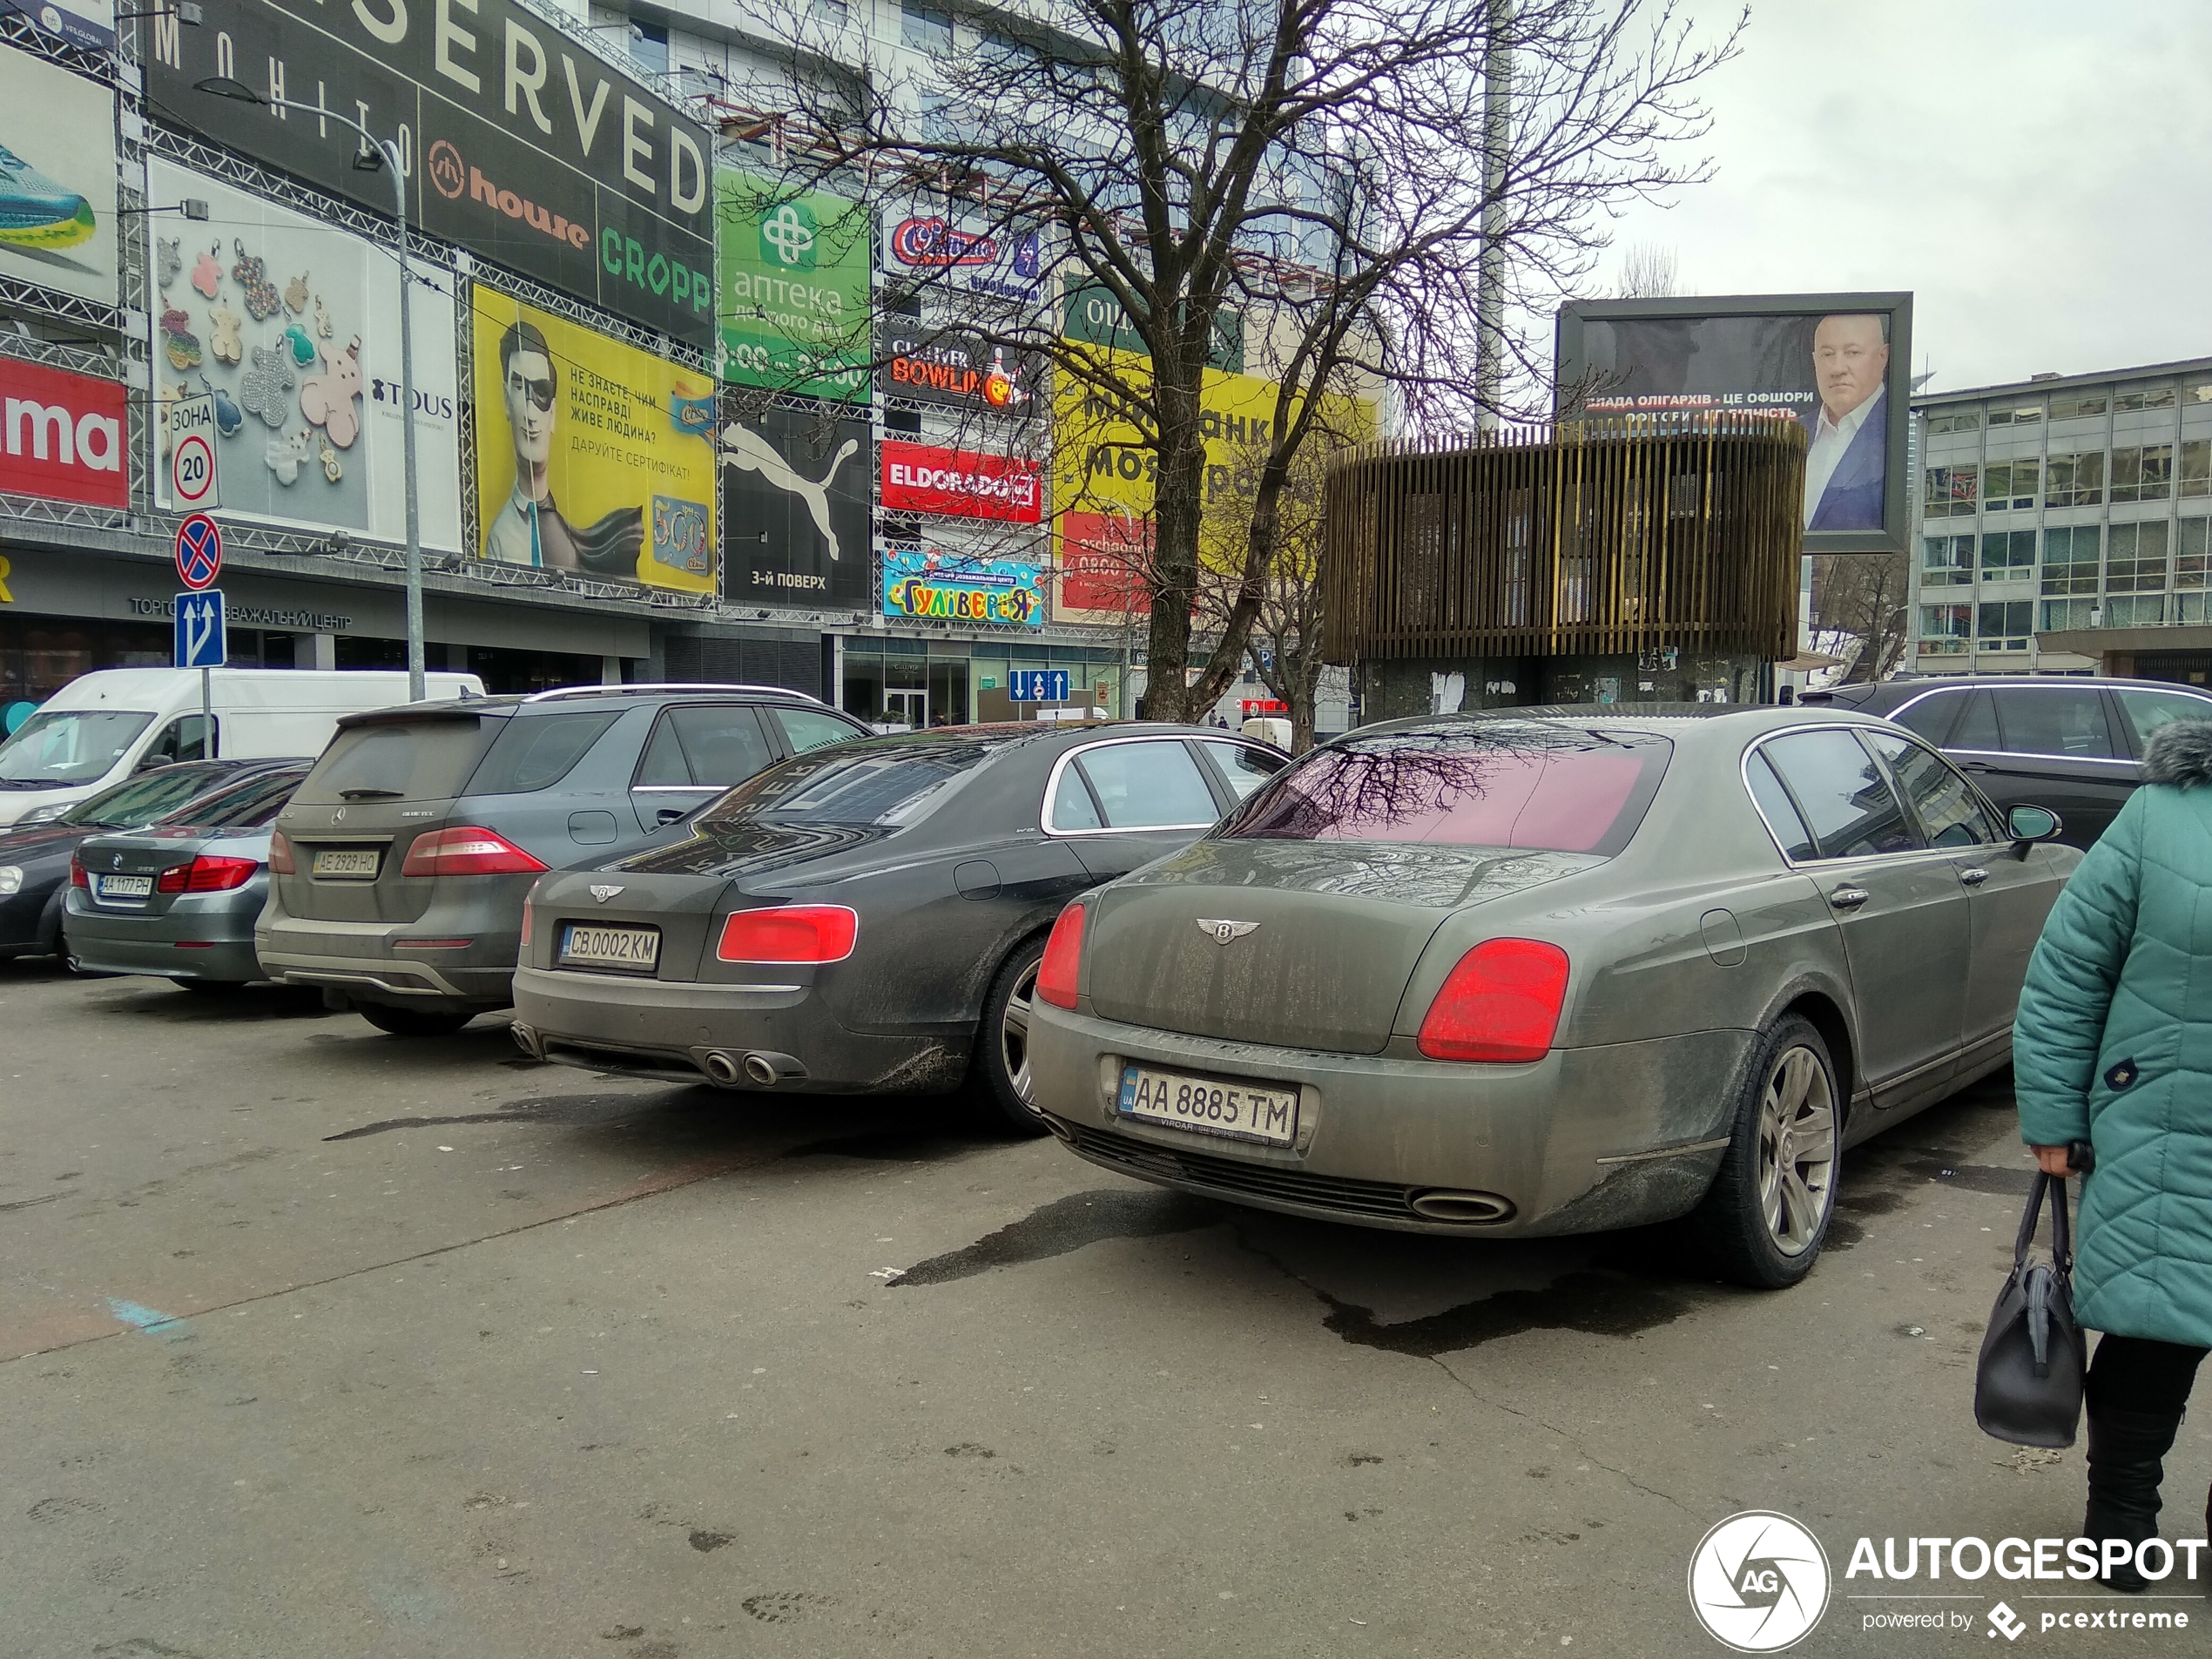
pixel 2033 173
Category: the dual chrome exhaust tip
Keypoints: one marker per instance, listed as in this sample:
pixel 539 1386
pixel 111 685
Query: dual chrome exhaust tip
pixel 757 1069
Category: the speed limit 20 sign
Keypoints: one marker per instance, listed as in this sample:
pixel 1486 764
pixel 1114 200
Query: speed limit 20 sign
pixel 192 479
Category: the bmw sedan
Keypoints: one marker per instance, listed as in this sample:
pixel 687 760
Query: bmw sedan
pixel 35 858
pixel 1553 971
pixel 867 917
pixel 180 898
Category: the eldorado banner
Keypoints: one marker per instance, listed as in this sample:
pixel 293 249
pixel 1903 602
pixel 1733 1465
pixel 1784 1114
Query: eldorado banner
pixel 961 484
pixel 528 148
pixel 592 457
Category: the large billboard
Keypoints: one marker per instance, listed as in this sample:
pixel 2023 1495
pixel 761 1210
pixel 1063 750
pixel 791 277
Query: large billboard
pixel 592 457
pixel 1104 473
pixel 59 129
pixel 795 504
pixel 293 327
pixel 794 311
pixel 1837 362
pixel 61 435
pixel 526 147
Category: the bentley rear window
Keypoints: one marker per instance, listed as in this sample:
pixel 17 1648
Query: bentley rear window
pixel 1538 788
pixel 885 785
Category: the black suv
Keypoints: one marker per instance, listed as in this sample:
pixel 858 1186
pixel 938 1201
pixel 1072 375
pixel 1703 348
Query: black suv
pixel 398 872
pixel 2071 743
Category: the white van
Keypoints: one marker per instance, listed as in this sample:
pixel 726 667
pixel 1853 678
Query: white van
pixel 101 727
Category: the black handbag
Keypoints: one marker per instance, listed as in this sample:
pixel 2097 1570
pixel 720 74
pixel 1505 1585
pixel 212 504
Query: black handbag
pixel 2027 1383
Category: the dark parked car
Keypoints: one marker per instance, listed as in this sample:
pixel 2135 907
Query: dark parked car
pixel 398 870
pixel 870 918
pixel 180 899
pixel 35 858
pixel 2071 743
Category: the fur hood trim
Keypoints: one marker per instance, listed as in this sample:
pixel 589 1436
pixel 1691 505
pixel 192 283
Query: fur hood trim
pixel 2180 754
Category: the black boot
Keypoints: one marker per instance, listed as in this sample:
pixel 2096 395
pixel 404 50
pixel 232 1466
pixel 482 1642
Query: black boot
pixel 2125 1449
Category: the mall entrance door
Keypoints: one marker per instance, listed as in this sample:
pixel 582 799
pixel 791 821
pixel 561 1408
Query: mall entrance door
pixel 909 708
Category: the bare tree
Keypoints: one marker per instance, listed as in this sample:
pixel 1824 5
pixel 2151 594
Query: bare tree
pixel 1295 185
pixel 1649 270
pixel 1859 611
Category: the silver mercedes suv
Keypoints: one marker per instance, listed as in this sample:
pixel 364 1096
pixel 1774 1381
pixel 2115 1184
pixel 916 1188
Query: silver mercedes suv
pixel 398 872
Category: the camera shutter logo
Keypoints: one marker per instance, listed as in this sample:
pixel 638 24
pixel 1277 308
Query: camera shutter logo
pixel 788 232
pixel 1758 1582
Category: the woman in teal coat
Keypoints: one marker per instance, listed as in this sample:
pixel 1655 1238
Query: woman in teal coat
pixel 2113 1045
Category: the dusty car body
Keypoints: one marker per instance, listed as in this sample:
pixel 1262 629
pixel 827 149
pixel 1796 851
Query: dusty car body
pixel 1544 972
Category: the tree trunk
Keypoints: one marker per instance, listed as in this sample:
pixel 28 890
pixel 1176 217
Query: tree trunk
pixel 1172 582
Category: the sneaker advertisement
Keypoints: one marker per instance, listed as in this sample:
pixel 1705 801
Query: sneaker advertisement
pixel 56 178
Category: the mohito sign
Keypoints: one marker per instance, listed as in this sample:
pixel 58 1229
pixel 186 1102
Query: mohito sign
pixel 961 484
pixel 522 145
pixel 61 435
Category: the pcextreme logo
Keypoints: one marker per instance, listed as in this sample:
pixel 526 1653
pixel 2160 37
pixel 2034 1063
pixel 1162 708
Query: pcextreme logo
pixel 1758 1582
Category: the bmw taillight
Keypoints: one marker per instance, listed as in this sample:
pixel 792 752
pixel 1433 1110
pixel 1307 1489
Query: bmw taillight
pixel 466 851
pixel 1064 953
pixel 77 876
pixel 279 853
pixel 1501 1002
pixel 790 934
pixel 207 874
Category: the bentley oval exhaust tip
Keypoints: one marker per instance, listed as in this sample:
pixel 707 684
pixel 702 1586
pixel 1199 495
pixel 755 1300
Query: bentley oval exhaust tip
pixel 527 1039
pixel 1465 1208
pixel 721 1070
pixel 761 1070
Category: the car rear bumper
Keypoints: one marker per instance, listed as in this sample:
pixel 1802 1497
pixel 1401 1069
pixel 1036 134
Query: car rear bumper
pixel 199 936
pixel 1584 1140
pixel 371 961
pixel 674 1028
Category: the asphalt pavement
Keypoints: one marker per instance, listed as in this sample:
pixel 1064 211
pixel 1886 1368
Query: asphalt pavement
pixel 314 1340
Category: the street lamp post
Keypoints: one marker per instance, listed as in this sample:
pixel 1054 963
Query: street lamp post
pixel 383 152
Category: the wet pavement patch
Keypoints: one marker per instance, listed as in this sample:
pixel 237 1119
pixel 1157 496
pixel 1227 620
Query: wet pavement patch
pixel 1594 1303
pixel 549 1108
pixel 1067 1224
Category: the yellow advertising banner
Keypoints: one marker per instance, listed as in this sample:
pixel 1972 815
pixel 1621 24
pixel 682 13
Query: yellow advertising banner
pixel 592 457
pixel 1104 479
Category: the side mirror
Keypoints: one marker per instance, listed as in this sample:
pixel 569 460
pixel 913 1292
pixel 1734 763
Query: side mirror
pixel 2028 824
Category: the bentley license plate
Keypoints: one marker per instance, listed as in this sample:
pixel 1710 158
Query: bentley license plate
pixel 635 948
pixel 122 886
pixel 345 863
pixel 1242 1111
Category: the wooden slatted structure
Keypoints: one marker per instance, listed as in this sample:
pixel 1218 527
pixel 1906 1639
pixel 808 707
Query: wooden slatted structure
pixel 1594 537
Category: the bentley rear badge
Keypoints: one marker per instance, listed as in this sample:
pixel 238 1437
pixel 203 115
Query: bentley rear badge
pixel 605 893
pixel 1225 930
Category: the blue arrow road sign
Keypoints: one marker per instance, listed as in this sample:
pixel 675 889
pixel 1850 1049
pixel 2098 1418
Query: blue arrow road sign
pixel 201 640
pixel 1038 685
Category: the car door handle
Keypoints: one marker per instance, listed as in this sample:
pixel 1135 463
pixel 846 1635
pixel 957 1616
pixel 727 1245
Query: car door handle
pixel 1849 898
pixel 1974 878
pixel 1976 765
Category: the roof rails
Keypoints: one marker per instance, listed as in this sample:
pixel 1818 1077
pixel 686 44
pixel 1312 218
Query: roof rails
pixel 671 685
